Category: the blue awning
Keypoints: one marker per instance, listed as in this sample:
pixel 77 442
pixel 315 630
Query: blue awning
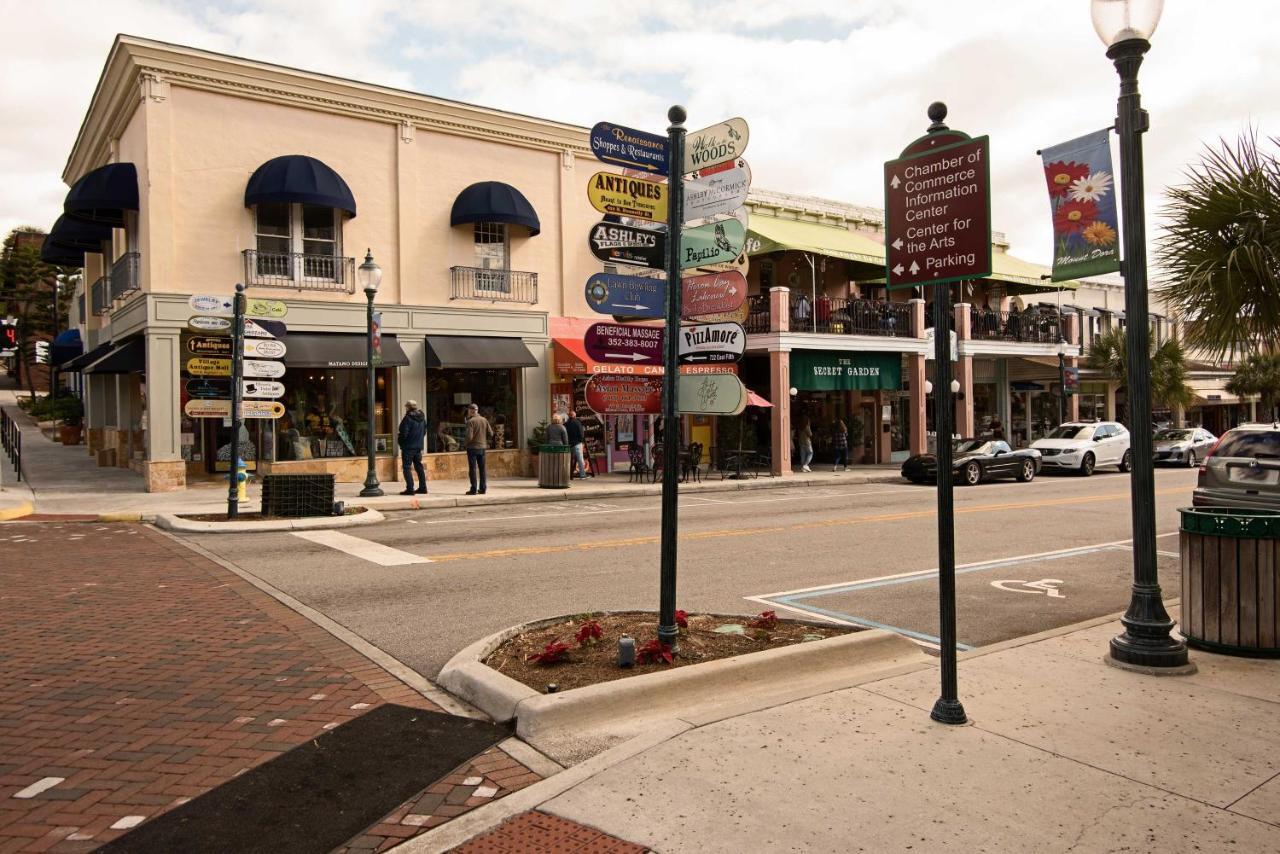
pixel 61 255
pixel 66 346
pixel 494 201
pixel 301 179
pixel 78 233
pixel 104 194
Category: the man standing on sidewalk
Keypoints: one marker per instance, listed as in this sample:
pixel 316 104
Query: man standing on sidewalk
pixel 576 438
pixel 479 432
pixel 412 433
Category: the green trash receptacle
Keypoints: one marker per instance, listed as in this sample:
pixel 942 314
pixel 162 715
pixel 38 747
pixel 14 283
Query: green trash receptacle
pixel 553 466
pixel 1231 580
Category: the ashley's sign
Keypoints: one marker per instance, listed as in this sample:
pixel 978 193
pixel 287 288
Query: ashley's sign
pixel 624 244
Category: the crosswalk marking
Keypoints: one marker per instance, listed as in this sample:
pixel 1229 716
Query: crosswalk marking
pixel 363 549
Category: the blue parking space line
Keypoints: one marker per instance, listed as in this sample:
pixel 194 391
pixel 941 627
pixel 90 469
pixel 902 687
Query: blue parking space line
pixel 871 624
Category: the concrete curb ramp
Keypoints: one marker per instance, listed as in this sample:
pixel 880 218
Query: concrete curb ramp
pixel 15 511
pixel 171 522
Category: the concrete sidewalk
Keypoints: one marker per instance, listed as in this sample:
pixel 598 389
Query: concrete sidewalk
pixel 1065 753
pixel 61 480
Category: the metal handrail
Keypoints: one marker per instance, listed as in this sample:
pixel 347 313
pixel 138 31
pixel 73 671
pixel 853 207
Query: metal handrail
pixel 1033 327
pixel 100 296
pixel 840 316
pixel 123 278
pixel 757 314
pixel 493 285
pixel 299 271
pixel 11 441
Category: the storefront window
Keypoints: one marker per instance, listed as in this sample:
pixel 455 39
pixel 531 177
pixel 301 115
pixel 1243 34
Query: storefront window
pixel 985 412
pixel 326 414
pixel 449 392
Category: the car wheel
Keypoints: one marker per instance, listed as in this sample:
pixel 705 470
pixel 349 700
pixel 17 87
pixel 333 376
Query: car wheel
pixel 1126 462
pixel 1191 459
pixel 972 474
pixel 1027 472
pixel 1086 465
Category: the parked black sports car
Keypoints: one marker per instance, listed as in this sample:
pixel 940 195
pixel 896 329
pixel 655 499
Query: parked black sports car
pixel 977 460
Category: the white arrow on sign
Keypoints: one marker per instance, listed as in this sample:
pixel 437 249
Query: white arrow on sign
pixel 897 271
pixel 635 357
pixel 895 182
pixel 897 244
pixel 625 305
pixel 915 268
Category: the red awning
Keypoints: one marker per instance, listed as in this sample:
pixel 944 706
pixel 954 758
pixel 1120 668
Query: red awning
pixel 754 399
pixel 571 359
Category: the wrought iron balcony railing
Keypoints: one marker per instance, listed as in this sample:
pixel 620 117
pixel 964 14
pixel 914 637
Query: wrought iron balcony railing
pixel 100 296
pixel 124 276
pixel 299 271
pixel 1028 327
pixel 494 285
pixel 757 314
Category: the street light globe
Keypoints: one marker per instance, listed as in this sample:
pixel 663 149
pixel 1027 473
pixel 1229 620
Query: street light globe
pixel 369 274
pixel 955 386
pixel 928 387
pixel 1122 20
pixel 794 392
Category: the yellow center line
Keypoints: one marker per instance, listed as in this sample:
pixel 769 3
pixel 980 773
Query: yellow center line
pixel 797 526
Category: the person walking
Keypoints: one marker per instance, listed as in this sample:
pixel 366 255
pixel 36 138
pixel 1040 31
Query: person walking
pixel 479 432
pixel 577 436
pixel 804 441
pixel 410 438
pixel 840 444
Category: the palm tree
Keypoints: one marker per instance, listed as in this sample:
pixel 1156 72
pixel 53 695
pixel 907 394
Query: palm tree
pixel 1220 250
pixel 1258 374
pixel 1108 354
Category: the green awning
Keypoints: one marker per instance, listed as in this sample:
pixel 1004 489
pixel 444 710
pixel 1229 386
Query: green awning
pixel 1007 268
pixel 825 370
pixel 769 234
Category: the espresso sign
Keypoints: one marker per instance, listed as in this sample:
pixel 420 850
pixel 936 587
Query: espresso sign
pixel 717 144
pixel 623 146
pixel 712 293
pixel 200 345
pixel 627 296
pixel 713 243
pixel 712 342
pixel 633 197
pixel 717 190
pixel 610 394
pixel 625 244
pixel 269 370
pixel 613 342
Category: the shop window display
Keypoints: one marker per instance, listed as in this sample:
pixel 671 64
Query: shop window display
pixel 450 392
pixel 326 414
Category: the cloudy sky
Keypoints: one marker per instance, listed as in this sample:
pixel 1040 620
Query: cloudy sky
pixel 831 88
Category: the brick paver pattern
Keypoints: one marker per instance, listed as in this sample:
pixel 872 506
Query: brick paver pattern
pixel 136 675
pixel 539 833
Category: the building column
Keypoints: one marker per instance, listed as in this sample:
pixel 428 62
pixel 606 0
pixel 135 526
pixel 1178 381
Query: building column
pixel 1071 333
pixel 1112 387
pixel 164 469
pixel 964 373
pixel 1073 402
pixel 95 412
pixel 915 378
pixel 124 420
pixel 780 415
pixel 780 311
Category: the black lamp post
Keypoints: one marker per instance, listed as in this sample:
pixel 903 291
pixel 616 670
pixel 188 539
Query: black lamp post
pixel 1125 27
pixel 370 276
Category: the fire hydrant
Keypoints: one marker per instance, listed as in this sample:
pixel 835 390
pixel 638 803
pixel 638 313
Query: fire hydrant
pixel 242 480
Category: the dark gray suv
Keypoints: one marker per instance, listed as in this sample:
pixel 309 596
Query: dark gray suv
pixel 1242 470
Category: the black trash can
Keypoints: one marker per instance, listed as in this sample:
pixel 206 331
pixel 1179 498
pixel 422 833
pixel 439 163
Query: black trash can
pixel 1231 580
pixel 553 466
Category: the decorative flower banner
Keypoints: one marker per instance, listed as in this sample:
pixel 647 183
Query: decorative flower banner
pixel 1082 197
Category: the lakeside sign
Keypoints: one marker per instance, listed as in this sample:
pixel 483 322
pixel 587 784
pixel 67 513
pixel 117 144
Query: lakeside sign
pixel 712 293
pixel 614 342
pixel 719 143
pixel 712 342
pixel 718 190
pixel 625 244
pixel 629 296
pixel 623 146
pixel 623 196
pixel 713 243
pixel 938 214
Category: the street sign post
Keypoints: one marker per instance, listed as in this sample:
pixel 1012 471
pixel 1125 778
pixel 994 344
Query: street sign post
pixel 626 296
pixel 712 342
pixel 616 343
pixel 237 417
pixel 623 146
pixel 713 243
pixel 711 394
pixel 721 142
pixel 717 190
pixel 610 193
pixel 625 244
pixel 712 293
pixel 938 214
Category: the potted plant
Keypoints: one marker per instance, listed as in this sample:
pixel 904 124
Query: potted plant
pixel 537 437
pixel 68 411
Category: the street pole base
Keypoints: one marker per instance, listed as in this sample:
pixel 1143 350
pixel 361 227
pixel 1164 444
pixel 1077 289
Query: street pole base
pixel 670 636
pixel 372 489
pixel 1135 652
pixel 949 712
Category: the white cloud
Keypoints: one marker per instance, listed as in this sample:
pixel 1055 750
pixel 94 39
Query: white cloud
pixel 831 90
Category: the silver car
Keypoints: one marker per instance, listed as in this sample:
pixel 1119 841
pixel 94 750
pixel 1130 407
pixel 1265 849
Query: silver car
pixel 1184 446
pixel 1243 470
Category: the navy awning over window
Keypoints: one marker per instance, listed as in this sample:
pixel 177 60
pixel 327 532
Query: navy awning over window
pixel 104 194
pixel 66 346
pixel 494 201
pixel 80 362
pixel 301 179
pixel 127 358
pixel 61 255
pixel 77 233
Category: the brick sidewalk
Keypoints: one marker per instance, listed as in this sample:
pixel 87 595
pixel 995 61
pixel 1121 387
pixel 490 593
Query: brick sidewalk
pixel 137 675
pixel 539 833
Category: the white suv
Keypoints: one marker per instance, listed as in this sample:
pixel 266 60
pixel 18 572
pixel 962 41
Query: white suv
pixel 1083 446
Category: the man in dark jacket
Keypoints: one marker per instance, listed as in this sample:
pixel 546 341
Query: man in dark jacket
pixel 413 430
pixel 577 436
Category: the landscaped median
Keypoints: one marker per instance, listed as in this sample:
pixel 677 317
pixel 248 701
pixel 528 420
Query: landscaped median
pixel 571 725
pixel 206 523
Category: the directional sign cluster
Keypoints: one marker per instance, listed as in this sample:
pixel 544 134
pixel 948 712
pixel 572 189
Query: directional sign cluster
pixel 713 182
pixel 208 365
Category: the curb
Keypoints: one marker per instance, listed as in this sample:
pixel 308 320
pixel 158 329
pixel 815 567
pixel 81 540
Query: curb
pixel 171 522
pixel 691 692
pixel 16 511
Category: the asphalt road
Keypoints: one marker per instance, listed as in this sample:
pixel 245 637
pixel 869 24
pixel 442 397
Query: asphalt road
pixel 1032 556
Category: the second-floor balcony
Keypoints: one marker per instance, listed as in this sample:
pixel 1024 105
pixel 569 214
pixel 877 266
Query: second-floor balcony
pixel 835 316
pixel 1026 327
pixel 299 271
pixel 124 276
pixel 100 296
pixel 478 283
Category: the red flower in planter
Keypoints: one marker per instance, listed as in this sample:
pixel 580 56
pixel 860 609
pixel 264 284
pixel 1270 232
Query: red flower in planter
pixel 589 633
pixel 655 651
pixel 682 619
pixel 553 652
pixel 766 620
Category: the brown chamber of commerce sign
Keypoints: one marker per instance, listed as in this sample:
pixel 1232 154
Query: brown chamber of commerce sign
pixel 938 214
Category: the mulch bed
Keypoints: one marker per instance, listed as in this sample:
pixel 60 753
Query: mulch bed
pixel 255 516
pixel 589 664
